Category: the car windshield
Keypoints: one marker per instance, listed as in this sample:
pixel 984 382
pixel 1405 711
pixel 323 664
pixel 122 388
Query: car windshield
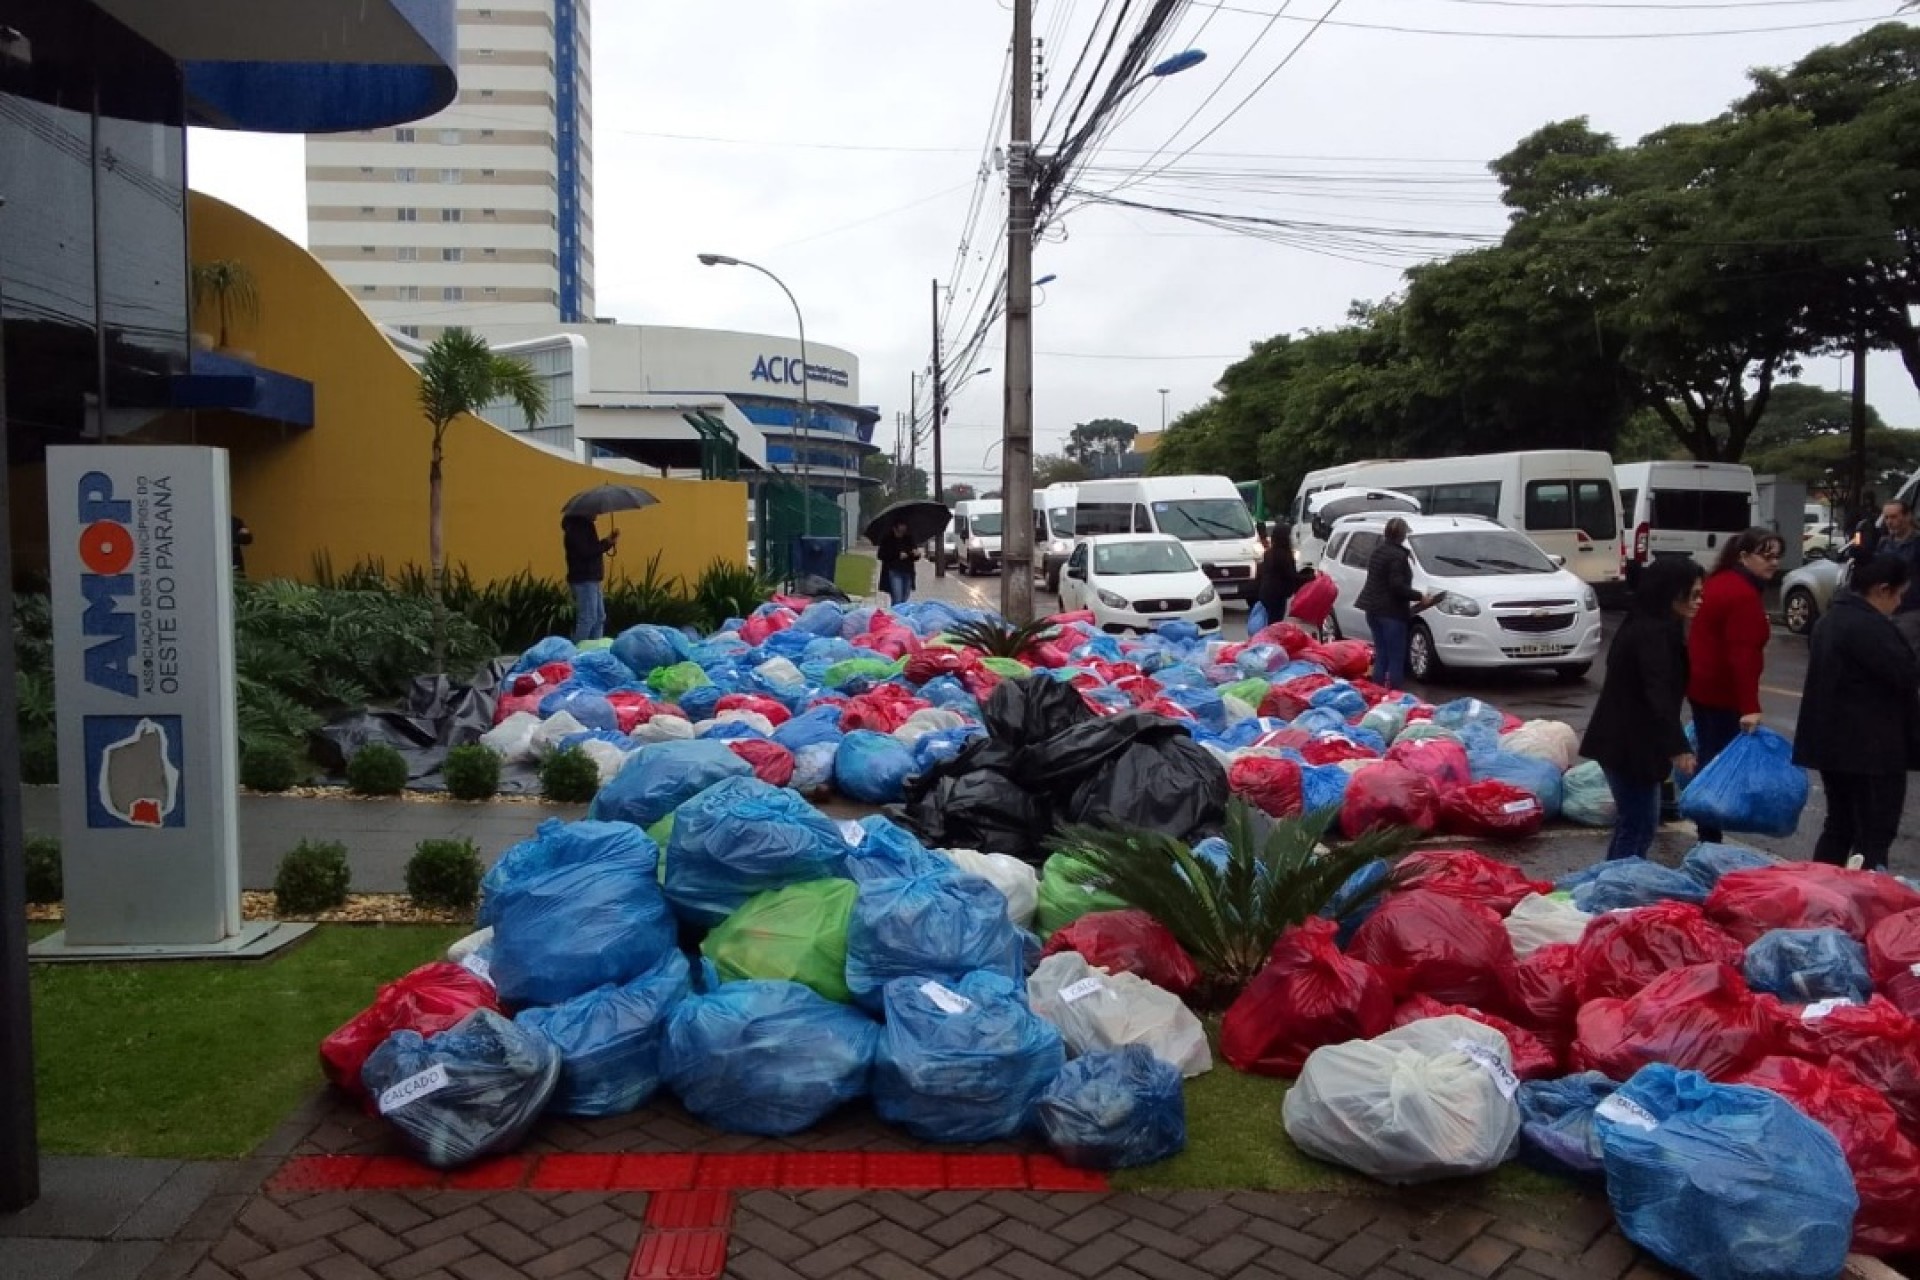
pixel 1204 519
pixel 985 526
pixel 1126 559
pixel 1060 520
pixel 1478 553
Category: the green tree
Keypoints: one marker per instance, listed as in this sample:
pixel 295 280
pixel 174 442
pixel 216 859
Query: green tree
pixel 461 375
pixel 1102 438
pixel 890 485
pixel 1056 468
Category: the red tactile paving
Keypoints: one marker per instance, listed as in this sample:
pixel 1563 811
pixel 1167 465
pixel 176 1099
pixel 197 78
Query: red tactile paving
pixel 738 1171
pixel 575 1173
pixel 395 1173
pixel 809 1170
pixel 502 1174
pixel 986 1173
pixel 680 1255
pixel 308 1175
pixel 1049 1173
pixel 906 1171
pixel 655 1173
pixel 690 1211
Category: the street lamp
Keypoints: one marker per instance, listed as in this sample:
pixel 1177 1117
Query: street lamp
pixel 1163 408
pixel 806 399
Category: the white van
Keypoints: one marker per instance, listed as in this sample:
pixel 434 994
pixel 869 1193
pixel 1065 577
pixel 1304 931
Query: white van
pixel 1321 509
pixel 1205 512
pixel 1563 499
pixel 976 535
pixel 1684 508
pixel 1053 529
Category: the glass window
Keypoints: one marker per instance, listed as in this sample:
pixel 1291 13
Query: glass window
pixel 1696 511
pixel 1060 521
pixel 1478 552
pixel 450 176
pixel 1142 522
pixel 1121 559
pixel 452 255
pixel 1586 505
pixel 1078 560
pixel 409 293
pixel 1204 519
pixel 1359 548
pixel 407 215
pixel 403 135
pixel 987 525
pixel 1629 499
pixel 1092 518
pixel 449 215
pixel 403 175
pixel 451 137
pixel 1481 498
pixel 453 293
pixel 406 253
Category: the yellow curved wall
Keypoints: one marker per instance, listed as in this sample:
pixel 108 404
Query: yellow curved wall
pixel 355 485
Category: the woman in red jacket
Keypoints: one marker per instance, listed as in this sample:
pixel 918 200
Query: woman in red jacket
pixel 1726 648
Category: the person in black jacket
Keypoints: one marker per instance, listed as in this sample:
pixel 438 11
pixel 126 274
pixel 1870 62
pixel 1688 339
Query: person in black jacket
pixel 1279 575
pixel 897 554
pixel 1860 715
pixel 587 554
pixel 1636 734
pixel 1389 600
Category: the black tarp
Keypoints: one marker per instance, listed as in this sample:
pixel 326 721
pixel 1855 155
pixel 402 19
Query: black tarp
pixel 437 715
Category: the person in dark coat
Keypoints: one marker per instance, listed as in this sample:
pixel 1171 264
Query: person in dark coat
pixel 1279 575
pixel 1860 715
pixel 1389 600
pixel 897 554
pixel 587 554
pixel 242 538
pixel 1636 734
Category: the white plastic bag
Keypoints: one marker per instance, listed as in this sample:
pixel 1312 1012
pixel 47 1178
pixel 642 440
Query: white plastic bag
pixel 1586 798
pixel 1432 1099
pixel 468 945
pixel 929 720
pixel 781 673
pixel 1537 920
pixel 512 738
pixel 1551 740
pixel 1236 709
pixel 754 720
pixel 1016 881
pixel 1097 1010
pixel 606 757
pixel 553 731
pixel 663 728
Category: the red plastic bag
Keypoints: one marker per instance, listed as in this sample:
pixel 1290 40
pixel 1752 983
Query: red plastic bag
pixel 1893 958
pixel 1387 795
pixel 633 709
pixel 1166 707
pixel 1439 759
pixel 772 763
pixel 1544 995
pixel 1313 602
pixel 1806 895
pixel 1287 635
pixel 1307 995
pixel 1304 687
pixel 1875 1041
pixel 1082 616
pixel 893 642
pixel 1468 876
pixel 1490 810
pixel 1701 1018
pixel 757 703
pixel 1457 952
pixel 1622 951
pixel 1347 658
pixel 938 660
pixel 1270 784
pixel 882 709
pixel 761 625
pixel 1885 1163
pixel 1332 748
pixel 1129 942
pixel 1533 1058
pixel 429 1000
pixel 1282 705
pixel 511 703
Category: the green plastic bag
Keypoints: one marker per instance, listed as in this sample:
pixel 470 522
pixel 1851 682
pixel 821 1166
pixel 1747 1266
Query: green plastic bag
pixel 798 934
pixel 660 833
pixel 1007 668
pixel 673 683
pixel 1252 691
pixel 1065 896
pixel 844 673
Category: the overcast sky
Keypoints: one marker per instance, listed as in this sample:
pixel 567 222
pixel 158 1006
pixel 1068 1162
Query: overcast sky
pixel 837 142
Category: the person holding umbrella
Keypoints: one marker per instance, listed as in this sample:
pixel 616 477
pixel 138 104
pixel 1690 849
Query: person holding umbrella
pixel 898 553
pixel 586 551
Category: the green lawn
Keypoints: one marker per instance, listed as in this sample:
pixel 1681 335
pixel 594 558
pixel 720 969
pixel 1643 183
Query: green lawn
pixel 201 1060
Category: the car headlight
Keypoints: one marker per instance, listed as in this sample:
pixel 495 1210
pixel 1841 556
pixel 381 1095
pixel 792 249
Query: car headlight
pixel 1206 596
pixel 1057 547
pixel 1110 600
pixel 1589 601
pixel 1459 607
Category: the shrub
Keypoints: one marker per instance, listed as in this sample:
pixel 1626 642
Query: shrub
pixel 39 759
pixel 729 590
pixel 377 770
pixel 269 766
pixel 472 773
pixel 313 877
pixel 43 870
pixel 655 596
pixel 570 776
pixel 444 873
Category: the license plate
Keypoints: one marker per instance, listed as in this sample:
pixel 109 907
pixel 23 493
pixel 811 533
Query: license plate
pixel 1537 650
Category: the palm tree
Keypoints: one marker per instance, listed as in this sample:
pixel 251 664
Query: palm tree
pixel 459 375
pixel 229 287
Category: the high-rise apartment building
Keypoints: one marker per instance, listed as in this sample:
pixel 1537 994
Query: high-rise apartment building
pixel 482 214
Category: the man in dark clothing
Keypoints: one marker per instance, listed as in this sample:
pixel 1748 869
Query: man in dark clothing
pixel 242 537
pixel 897 556
pixel 587 554
pixel 1901 541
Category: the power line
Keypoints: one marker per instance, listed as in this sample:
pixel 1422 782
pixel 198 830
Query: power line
pixel 1553 35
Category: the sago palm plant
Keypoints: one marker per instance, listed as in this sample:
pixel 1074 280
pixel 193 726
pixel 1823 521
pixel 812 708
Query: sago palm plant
pixel 1277 875
pixel 997 638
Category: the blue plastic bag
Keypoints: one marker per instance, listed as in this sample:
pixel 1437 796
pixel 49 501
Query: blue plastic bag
pixel 700 702
pixel 872 767
pixel 887 850
pixel 658 779
pixel 588 706
pixel 1323 786
pixel 1556 1123
pixel 1629 882
pixel 1207 706
pixel 1321 720
pixel 962 1060
pixel 942 746
pixel 821 618
pixel 1725 1182
pixel 601 669
pixel 1257 618
pixel 1753 785
pixel 1707 862
pixel 551 649
pixel 1804 965
pixel 1343 700
pixel 556 845
pixel 562 933
pixel 473 1090
pixel 765 1056
pixel 810 728
pixel 942 925
pixel 1585 797
pixel 729 731
pixel 741 837
pixel 609 1040
pixel 646 646
pixel 1358 898
pixel 1114 1109
pixel 1537 777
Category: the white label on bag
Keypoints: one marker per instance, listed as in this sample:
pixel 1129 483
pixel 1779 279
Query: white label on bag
pixel 949 1001
pixel 1488 1060
pixel 1519 806
pixel 1821 1008
pixel 1081 990
pixel 1914 968
pixel 477 965
pixel 412 1089
pixel 1626 1111
pixel 853 833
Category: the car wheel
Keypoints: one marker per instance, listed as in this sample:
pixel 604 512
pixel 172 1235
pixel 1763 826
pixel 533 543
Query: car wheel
pixel 1800 611
pixel 1423 663
pixel 1053 582
pixel 1573 670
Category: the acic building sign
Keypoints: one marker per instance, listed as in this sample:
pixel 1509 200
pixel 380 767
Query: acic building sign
pixel 785 370
pixel 141 557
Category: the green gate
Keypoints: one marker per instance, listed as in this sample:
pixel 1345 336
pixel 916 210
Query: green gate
pixel 780 514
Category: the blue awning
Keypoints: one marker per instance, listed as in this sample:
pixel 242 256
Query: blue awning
pixel 222 382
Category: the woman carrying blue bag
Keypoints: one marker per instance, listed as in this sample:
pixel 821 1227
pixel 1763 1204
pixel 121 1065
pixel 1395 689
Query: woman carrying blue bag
pixel 1860 715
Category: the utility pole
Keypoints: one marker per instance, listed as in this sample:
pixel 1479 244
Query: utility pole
pixel 1163 407
pixel 1857 438
pixel 939 415
pixel 913 422
pixel 1016 455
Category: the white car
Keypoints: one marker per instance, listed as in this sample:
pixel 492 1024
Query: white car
pixel 1136 582
pixel 1507 603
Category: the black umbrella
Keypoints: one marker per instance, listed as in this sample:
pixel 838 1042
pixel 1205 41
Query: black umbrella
pixel 925 520
pixel 605 499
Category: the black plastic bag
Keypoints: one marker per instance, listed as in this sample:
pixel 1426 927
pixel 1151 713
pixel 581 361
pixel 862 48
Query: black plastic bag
pixel 1062 761
pixel 1144 772
pixel 1021 712
pixel 973 802
pixel 438 715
